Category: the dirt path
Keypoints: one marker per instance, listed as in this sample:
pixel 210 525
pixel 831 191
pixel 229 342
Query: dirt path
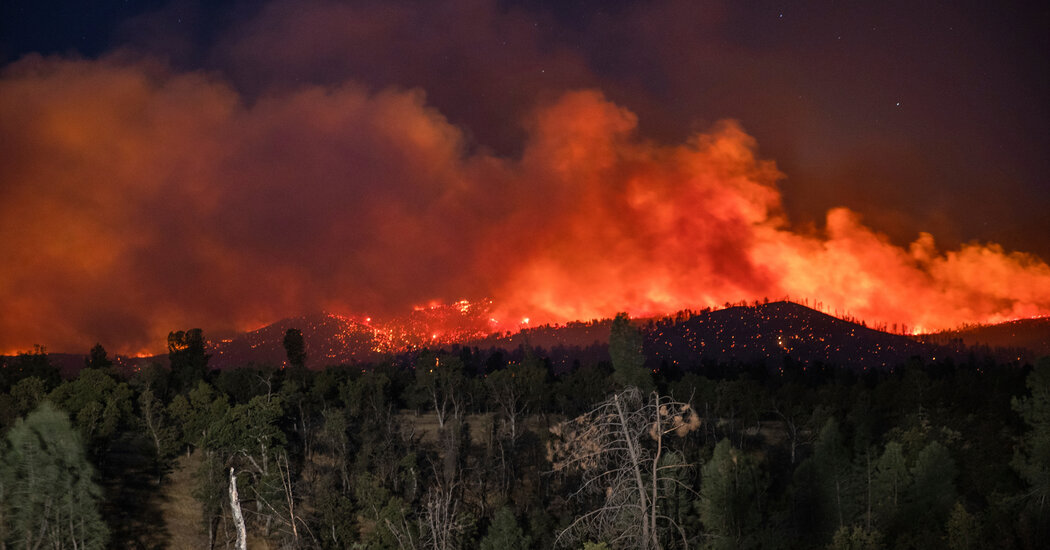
pixel 182 516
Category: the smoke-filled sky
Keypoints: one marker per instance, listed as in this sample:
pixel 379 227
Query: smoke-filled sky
pixel 167 165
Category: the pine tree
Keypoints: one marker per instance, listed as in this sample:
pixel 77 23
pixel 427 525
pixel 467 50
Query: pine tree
pixel 505 533
pixel 964 530
pixel 933 485
pixel 189 362
pixel 892 479
pixel 728 496
pixel 1032 460
pixel 855 538
pixel 834 476
pixel 625 350
pixel 47 495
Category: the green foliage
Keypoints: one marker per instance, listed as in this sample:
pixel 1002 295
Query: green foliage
pixel 246 382
pixel 209 487
pixel 577 391
pixel 367 395
pixel 964 530
pixel 29 364
pixel 27 394
pixel 385 515
pixel 335 517
pixel 47 495
pixel 245 436
pixel 439 384
pixel 892 480
pixel 542 527
pixel 504 533
pixel 625 350
pixel 855 538
pixel 905 451
pixel 729 495
pixel 932 491
pixel 196 413
pixel 158 425
pixel 23 398
pixel 249 429
pixel 97 358
pixel 155 378
pixel 98 404
pixel 1032 459
pixel 738 400
pixel 830 475
pixel 515 390
pixel 189 362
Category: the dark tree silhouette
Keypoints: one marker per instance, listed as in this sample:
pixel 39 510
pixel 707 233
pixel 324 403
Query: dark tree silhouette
pixel 189 362
pixel 97 358
pixel 625 350
pixel 295 348
pixel 29 364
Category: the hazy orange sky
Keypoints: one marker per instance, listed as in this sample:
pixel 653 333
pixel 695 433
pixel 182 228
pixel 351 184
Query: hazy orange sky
pixel 227 165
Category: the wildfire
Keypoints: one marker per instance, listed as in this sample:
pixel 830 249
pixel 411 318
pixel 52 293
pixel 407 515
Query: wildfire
pixel 588 220
pixel 654 229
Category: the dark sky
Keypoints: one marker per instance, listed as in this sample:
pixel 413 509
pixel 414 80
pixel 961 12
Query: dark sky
pixel 915 117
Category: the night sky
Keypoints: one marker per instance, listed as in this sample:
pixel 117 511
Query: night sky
pixel 226 164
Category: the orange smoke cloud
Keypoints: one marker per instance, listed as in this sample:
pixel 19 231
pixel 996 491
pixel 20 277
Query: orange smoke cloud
pixel 137 200
pixel 658 229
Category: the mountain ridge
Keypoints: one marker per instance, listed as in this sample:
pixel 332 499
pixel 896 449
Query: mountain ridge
pixel 766 332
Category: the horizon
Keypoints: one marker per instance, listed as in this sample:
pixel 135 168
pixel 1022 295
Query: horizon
pixel 384 324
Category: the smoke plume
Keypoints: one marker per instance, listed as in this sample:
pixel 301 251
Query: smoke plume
pixel 138 199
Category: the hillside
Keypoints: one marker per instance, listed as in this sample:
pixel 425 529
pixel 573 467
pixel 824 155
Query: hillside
pixel 773 330
pixel 1030 334
pixel 743 333
pixel 330 339
pixel 338 339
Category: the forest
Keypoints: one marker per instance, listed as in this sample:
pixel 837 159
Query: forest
pixel 495 449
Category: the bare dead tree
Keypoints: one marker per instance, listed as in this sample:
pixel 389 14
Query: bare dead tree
pixel 443 385
pixel 797 428
pixel 618 447
pixel 402 533
pixel 441 523
pixel 514 390
pixel 238 517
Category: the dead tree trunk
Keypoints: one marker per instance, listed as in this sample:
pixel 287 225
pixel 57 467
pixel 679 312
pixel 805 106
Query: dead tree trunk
pixel 238 517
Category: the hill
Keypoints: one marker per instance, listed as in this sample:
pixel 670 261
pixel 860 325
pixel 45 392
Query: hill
pixel 339 339
pixel 329 338
pixel 742 333
pixel 1033 335
pixel 771 331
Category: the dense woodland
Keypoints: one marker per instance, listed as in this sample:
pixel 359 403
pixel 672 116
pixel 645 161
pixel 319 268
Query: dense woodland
pixel 495 449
